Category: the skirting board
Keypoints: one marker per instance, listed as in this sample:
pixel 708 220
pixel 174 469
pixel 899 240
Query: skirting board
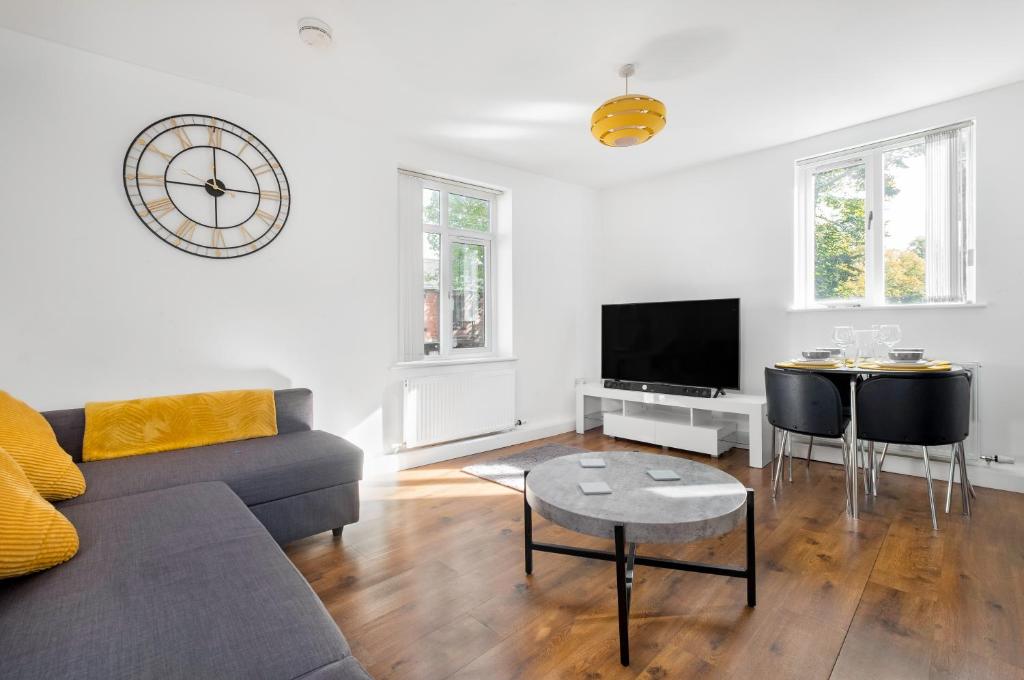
pixel 403 460
pixel 990 476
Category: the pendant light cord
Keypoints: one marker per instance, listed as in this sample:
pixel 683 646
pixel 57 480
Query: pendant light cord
pixel 626 71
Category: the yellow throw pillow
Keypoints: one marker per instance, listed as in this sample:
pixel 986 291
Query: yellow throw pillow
pixel 33 535
pixel 30 441
pixel 116 429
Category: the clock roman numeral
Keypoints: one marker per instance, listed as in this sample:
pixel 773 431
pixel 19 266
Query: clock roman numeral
pixel 160 206
pixel 246 142
pixel 186 229
pixel 266 217
pixel 217 239
pixel 155 149
pixel 147 180
pixel 183 138
pixel 246 236
pixel 216 136
pixel 265 168
pixel 271 195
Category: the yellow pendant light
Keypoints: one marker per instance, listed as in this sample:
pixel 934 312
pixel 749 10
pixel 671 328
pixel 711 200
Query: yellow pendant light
pixel 627 120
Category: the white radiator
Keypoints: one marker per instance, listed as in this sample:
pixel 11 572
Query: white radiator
pixel 443 408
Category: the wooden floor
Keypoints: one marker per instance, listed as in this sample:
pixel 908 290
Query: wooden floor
pixel 430 584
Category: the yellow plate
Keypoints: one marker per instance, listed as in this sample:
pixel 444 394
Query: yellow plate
pixel 800 364
pixel 930 367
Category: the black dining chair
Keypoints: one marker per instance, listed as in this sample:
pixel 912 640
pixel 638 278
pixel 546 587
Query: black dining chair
pixel 925 410
pixel 801 402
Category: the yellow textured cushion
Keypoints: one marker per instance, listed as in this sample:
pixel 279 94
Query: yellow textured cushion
pixel 33 535
pixel 29 439
pixel 116 429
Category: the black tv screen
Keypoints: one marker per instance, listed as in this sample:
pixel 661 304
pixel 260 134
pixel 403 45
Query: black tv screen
pixel 691 342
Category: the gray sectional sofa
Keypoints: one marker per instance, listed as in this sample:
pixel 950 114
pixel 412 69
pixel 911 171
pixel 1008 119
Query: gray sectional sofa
pixel 179 573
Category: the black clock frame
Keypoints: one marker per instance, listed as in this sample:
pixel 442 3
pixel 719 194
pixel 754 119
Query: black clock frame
pixel 285 190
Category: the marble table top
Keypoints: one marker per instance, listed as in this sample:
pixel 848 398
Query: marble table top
pixel 705 502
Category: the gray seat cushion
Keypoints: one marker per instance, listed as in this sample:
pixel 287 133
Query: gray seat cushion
pixel 258 470
pixel 176 583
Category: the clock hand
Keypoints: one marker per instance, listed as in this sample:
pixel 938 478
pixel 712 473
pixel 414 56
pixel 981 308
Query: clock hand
pixel 207 181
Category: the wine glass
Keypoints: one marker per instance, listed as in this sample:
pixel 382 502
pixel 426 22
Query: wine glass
pixel 843 337
pixel 889 334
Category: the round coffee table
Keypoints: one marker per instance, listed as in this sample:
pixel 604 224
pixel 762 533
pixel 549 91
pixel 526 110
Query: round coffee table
pixel 704 502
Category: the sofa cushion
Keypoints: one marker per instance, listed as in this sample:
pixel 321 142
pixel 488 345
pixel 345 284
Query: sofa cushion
pixel 176 583
pixel 33 535
pixel 29 439
pixel 258 470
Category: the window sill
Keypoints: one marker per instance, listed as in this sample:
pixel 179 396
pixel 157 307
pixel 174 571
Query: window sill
pixel 891 308
pixel 458 361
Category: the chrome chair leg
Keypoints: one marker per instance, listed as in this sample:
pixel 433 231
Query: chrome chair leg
pixel 878 467
pixel 871 470
pixel 963 487
pixel 931 495
pixel 846 472
pixel 789 455
pixel 778 467
pixel 963 457
pixel 954 458
pixel 881 461
pixel 775 463
pixel 810 446
pixel 786 443
pixel 862 463
pixel 965 484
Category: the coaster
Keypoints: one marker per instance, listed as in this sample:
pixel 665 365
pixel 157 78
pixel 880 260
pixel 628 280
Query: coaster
pixel 592 463
pixel 594 488
pixel 663 475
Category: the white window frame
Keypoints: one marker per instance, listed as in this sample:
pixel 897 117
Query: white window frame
pixel 450 235
pixel 871 155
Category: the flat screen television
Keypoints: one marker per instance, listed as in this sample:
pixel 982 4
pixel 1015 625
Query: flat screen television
pixel 689 342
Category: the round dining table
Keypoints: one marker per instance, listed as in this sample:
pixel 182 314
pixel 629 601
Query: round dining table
pixel 856 371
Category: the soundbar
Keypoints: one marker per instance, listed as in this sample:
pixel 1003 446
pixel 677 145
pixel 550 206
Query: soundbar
pixel 662 388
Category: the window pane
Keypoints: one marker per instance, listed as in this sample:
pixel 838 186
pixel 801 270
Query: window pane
pixel 903 208
pixel 431 206
pixel 839 196
pixel 469 295
pixel 465 212
pixel 431 294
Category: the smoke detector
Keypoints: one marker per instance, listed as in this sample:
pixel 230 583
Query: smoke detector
pixel 315 33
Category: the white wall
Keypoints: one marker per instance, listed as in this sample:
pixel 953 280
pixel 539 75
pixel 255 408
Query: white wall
pixel 95 307
pixel 726 230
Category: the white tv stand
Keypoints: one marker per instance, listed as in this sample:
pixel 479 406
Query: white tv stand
pixel 678 421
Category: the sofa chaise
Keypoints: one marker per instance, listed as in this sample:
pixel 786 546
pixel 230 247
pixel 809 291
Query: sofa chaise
pixel 179 573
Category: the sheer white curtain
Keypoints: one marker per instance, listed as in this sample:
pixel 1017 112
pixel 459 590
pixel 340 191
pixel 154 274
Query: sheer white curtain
pixel 946 241
pixel 410 263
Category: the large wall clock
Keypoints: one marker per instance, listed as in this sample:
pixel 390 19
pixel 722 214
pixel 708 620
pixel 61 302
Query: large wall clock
pixel 206 186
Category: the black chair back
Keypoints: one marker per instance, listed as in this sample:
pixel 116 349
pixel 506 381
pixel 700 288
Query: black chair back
pixel 804 403
pixel 917 409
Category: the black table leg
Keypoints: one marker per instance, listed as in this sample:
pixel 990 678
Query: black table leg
pixel 626 560
pixel 623 594
pixel 751 561
pixel 527 528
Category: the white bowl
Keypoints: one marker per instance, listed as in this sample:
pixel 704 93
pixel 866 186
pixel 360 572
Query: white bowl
pixel 906 354
pixel 816 354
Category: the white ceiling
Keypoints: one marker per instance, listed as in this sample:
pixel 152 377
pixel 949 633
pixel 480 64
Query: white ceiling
pixel 515 81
